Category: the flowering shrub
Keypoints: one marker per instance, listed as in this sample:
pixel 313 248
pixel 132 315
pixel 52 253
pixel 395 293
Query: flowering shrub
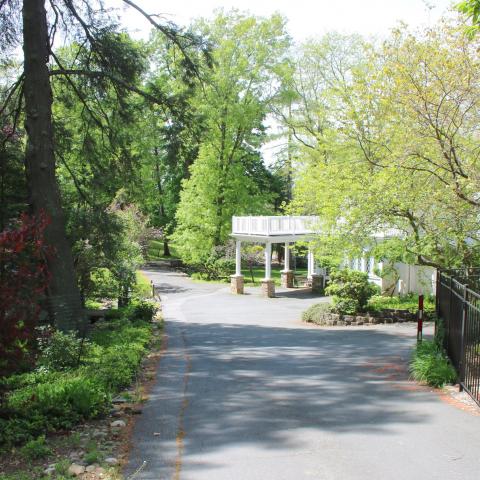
pixel 23 281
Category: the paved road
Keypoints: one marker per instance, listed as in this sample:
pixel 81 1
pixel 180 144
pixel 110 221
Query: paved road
pixel 245 391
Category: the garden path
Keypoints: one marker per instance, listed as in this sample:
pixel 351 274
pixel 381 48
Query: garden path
pixel 245 391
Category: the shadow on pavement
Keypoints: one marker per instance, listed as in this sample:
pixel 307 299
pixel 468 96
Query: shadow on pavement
pixel 253 385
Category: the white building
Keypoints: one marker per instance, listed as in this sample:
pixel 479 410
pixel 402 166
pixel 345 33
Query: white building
pixel 399 278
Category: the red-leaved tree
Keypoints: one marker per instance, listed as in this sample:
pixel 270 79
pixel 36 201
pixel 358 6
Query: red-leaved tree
pixel 23 282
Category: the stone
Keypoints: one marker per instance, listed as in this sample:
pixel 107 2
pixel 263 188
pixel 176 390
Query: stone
pixel 76 470
pixel 99 470
pixel 90 468
pixel 268 288
pixel 49 471
pixel 119 400
pixel 118 424
pixel 111 461
pixel 317 283
pixel 237 284
pixel 286 278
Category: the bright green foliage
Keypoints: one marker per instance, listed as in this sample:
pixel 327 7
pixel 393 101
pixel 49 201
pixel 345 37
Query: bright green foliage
pixel 409 302
pixel 43 401
pixel 430 365
pixel 35 449
pixel 62 351
pixel 384 131
pixel 228 177
pixel 351 291
pixel 471 8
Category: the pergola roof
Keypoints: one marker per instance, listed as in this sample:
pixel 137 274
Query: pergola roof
pixel 272 229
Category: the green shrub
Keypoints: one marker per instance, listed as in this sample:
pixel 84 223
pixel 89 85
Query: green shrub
pixel 117 365
pixel 62 402
pixel 430 365
pixel 93 455
pixel 142 288
pixel 408 302
pixel 104 285
pixel 143 310
pixel 213 269
pixel 62 466
pixel 35 449
pixel 314 312
pixel 50 399
pixel 351 291
pixel 62 351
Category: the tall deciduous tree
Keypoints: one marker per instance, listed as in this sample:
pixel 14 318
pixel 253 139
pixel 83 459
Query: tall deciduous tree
pixel 401 152
pixel 229 176
pixel 95 31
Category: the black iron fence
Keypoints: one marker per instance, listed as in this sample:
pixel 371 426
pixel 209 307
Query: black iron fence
pixel 458 304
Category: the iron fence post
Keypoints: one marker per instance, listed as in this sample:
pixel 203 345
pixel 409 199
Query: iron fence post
pixel 438 278
pixel 461 369
pixel 447 323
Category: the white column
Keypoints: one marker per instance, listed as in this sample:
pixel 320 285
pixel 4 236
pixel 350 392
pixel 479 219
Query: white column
pixel 310 263
pixel 287 256
pixel 238 258
pixel 268 261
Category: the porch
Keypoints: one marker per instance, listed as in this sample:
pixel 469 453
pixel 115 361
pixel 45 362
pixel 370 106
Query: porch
pixel 270 230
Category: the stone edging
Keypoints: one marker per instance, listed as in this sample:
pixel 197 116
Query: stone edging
pixel 335 319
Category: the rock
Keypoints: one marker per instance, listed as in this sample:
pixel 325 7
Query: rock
pixel 111 461
pixel 133 410
pixel 118 424
pixel 119 400
pixel 49 471
pixel 99 471
pixel 91 468
pixel 75 469
pixel 99 433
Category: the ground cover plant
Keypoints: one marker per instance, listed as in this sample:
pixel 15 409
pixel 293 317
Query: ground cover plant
pixel 75 378
pixel 429 363
pixel 409 302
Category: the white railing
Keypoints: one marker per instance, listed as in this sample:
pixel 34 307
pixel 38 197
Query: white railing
pixel 295 225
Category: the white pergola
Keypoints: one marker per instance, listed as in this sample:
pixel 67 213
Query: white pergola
pixel 270 230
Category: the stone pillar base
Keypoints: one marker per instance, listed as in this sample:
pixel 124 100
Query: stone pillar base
pixel 236 284
pixel 287 278
pixel 317 283
pixel 268 288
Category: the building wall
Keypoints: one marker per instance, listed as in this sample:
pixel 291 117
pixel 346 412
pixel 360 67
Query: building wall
pixel 413 278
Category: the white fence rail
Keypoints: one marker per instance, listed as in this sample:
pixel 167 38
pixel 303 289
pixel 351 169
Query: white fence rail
pixel 295 225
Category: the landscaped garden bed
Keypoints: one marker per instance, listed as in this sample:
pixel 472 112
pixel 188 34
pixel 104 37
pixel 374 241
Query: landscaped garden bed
pixel 321 315
pixel 70 416
pixel 355 303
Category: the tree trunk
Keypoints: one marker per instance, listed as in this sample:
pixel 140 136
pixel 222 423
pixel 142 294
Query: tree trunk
pixel 166 249
pixel 44 194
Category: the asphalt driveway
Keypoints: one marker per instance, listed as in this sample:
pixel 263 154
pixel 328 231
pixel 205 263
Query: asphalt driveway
pixel 246 391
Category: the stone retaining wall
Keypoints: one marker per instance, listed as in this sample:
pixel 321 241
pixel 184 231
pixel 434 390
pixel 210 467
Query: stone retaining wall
pixel 335 319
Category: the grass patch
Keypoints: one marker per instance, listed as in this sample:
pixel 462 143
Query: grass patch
pixel 402 302
pixel 155 251
pixel 430 365
pixel 258 276
pixel 142 287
